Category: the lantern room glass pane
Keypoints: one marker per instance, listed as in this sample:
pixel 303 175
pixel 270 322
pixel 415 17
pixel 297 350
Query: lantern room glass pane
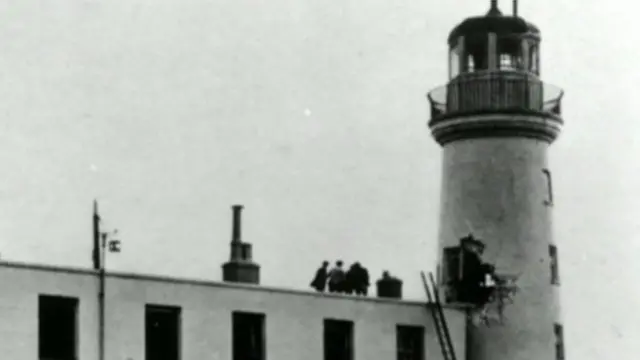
pixel 534 59
pixel 454 65
pixel 476 49
pixel 510 53
pixel 471 64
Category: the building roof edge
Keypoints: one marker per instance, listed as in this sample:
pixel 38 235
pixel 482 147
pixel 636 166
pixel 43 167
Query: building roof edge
pixel 211 283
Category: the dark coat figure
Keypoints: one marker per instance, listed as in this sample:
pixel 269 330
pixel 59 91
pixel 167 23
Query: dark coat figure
pixel 320 280
pixel 351 279
pixel 362 283
pixel 337 278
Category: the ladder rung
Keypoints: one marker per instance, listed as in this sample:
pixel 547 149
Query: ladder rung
pixel 439 319
pixel 445 328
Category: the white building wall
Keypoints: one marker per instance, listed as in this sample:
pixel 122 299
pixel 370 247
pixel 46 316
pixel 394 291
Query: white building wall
pixel 293 323
pixel 19 290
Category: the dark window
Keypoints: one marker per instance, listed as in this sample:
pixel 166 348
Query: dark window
pixel 549 200
pixel 558 330
pixel 162 332
pixel 410 342
pixel 57 327
pixel 452 264
pixel 452 272
pixel 338 339
pixel 555 273
pixel 248 336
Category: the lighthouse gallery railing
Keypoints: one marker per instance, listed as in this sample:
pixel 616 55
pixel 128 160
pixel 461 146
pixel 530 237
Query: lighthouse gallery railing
pixel 504 92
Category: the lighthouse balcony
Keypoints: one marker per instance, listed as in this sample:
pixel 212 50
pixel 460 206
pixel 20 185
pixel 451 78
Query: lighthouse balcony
pixel 495 92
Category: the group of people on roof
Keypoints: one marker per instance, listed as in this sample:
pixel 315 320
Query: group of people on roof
pixel 355 280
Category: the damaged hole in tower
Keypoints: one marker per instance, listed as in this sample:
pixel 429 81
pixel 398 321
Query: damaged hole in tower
pixel 467 279
pixel 465 273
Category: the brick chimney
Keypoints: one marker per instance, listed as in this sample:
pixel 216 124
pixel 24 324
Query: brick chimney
pixel 240 267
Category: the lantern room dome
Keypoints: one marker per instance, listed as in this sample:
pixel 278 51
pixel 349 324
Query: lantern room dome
pixel 493 22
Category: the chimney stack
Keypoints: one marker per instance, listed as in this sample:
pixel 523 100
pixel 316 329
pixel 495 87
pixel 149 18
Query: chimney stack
pixel 236 236
pixel 240 267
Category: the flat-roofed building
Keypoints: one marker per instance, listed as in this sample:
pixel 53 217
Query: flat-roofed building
pixel 52 313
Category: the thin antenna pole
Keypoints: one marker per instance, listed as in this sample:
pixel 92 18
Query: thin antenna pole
pixel 101 298
pixel 515 8
pixel 98 265
pixel 96 236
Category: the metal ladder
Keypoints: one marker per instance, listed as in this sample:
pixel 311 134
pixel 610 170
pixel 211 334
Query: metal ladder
pixel 439 320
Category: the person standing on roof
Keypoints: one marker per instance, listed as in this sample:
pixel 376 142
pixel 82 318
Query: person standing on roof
pixel 320 280
pixel 337 278
pixel 351 279
pixel 362 283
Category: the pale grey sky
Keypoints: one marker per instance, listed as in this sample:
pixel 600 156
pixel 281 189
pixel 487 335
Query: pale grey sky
pixel 312 114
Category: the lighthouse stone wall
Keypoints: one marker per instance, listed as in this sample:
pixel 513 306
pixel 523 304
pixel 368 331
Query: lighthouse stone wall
pixel 497 190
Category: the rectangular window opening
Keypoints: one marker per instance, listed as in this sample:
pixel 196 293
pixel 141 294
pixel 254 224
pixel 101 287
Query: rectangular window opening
pixel 559 333
pixel 57 327
pixel 549 200
pixel 162 332
pixel 248 336
pixel 555 272
pixel 410 342
pixel 452 272
pixel 338 340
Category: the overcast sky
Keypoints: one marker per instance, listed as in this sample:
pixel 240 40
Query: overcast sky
pixel 312 114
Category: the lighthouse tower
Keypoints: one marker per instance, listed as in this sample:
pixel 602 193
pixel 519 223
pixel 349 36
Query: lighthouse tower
pixel 495 121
